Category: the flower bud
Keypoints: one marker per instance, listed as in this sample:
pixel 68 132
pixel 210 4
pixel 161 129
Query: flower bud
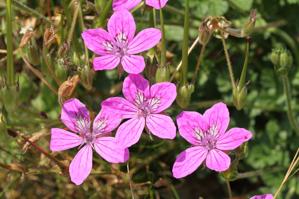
pixel 86 77
pixel 162 74
pixel 275 56
pixel 282 60
pixel 184 95
pixel 286 59
pixel 239 96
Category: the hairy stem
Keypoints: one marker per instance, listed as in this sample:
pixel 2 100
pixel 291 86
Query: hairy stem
pixel 229 64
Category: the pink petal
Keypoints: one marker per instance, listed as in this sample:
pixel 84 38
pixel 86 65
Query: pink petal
pixel 188 122
pixel 135 87
pixel 96 39
pixel 106 121
pixel 233 139
pixel 120 107
pixel 217 160
pixel 144 40
pixel 106 62
pixel 122 23
pixel 264 196
pixel 75 115
pixel 218 116
pixel 81 165
pixel 125 4
pixel 157 4
pixel 133 64
pixel 165 93
pixel 130 132
pixel 109 149
pixel 62 140
pixel 188 161
pixel 161 126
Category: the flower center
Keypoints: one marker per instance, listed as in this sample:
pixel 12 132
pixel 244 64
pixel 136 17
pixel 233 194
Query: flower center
pixel 119 46
pixel 208 138
pixel 88 138
pixel 146 105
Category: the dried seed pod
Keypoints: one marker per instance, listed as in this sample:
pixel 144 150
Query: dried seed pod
pixel 67 88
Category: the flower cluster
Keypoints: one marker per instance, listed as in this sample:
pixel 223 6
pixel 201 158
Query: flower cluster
pixel 142 107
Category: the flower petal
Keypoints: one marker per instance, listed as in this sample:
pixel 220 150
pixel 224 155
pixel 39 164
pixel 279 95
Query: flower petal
pixel 62 140
pixel 130 132
pixel 109 149
pixel 81 165
pixel 120 107
pixel 161 126
pixel 217 116
pixel 135 87
pixel 264 196
pixel 188 122
pixel 233 139
pixel 188 161
pixel 122 23
pixel 106 62
pixel 125 4
pixel 157 4
pixel 106 121
pixel 133 64
pixel 217 160
pixel 75 115
pixel 144 40
pixel 96 40
pixel 163 95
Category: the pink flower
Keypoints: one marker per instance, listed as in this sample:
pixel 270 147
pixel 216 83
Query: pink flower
pixel 209 138
pixel 76 117
pixel 143 105
pixel 119 45
pixel 157 4
pixel 264 196
pixel 125 4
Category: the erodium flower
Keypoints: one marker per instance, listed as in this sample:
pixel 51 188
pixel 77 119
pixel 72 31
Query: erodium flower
pixel 209 138
pixel 125 4
pixel 264 196
pixel 76 117
pixel 120 45
pixel 143 106
pixel 157 4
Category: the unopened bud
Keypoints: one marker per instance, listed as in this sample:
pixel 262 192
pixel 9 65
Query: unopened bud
pixel 86 76
pixel 282 60
pixel 184 95
pixel 239 96
pixel 162 74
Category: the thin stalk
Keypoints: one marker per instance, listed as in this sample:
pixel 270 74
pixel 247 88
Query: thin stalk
pixel 287 92
pixel 163 41
pixel 185 45
pixel 245 66
pixel 154 17
pixel 229 190
pixel 130 182
pixel 83 28
pixel 229 64
pixel 104 14
pixel 10 67
pixel 137 7
pixel 199 60
pixel 75 16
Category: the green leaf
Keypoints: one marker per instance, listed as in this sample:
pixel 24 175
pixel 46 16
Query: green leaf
pixel 243 5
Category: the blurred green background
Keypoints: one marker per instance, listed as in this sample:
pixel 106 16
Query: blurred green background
pixel 55 52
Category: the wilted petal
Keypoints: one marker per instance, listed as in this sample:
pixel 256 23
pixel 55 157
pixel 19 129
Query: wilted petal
pixel 190 123
pixel 135 88
pixel 163 94
pixel 144 40
pixel 96 40
pixel 264 196
pixel 217 160
pixel 125 4
pixel 130 132
pixel 133 64
pixel 106 121
pixel 120 106
pixel 81 165
pixel 75 115
pixel 106 62
pixel 157 4
pixel 62 140
pixel 109 149
pixel 122 23
pixel 188 161
pixel 161 126
pixel 217 116
pixel 233 138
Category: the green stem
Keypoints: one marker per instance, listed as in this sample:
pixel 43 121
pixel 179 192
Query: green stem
pixel 229 65
pixel 104 14
pixel 202 51
pixel 229 190
pixel 163 41
pixel 130 181
pixel 287 91
pixel 154 17
pixel 185 45
pixel 245 65
pixel 75 16
pixel 9 37
pixel 83 28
